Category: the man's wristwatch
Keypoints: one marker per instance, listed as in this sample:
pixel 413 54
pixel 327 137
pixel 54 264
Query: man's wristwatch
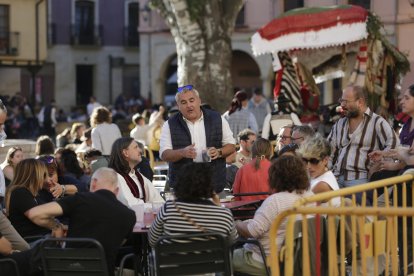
pixel 220 153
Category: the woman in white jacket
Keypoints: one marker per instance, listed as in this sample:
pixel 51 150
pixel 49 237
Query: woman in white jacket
pixel 134 188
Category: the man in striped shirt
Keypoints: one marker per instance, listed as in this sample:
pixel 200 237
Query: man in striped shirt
pixel 355 135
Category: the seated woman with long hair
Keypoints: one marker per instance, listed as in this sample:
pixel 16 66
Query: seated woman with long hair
pixel 13 157
pixel 193 210
pixel 253 176
pixel 30 175
pixel 289 182
pixel 69 167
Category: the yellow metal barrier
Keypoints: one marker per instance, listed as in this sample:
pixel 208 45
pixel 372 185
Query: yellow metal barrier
pixel 366 234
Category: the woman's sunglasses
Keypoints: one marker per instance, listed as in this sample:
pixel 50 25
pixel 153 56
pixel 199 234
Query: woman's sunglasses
pixel 313 161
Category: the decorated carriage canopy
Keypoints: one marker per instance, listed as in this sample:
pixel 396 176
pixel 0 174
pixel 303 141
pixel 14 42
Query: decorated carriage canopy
pixel 312 45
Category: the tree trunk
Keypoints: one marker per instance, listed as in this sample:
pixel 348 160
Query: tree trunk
pixel 202 33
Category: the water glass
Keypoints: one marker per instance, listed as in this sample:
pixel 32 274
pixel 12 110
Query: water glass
pixel 156 206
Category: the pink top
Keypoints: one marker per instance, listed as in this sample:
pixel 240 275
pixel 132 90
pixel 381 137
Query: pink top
pixel 250 180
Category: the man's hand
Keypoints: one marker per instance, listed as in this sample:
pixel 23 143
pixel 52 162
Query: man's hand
pixel 376 155
pixel 161 109
pixel 216 199
pixel 189 152
pixel 214 153
pixel 56 189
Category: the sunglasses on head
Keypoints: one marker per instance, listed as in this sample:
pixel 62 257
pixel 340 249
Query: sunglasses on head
pixel 184 88
pixel 313 161
pixel 47 159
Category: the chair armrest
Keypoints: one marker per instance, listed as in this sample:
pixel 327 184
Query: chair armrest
pixel 124 259
pixel 242 241
pixel 30 239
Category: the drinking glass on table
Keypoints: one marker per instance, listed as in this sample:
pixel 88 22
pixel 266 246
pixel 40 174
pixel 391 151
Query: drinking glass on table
pixel 156 206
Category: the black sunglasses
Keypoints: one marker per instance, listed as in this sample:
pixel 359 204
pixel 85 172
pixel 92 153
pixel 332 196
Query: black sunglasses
pixel 184 88
pixel 313 161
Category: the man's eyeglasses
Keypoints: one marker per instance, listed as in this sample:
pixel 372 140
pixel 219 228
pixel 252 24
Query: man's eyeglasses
pixel 285 137
pixel 313 161
pixel 343 101
pixel 185 88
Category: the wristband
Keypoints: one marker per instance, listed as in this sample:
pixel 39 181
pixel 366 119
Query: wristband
pixel 220 153
pixel 63 190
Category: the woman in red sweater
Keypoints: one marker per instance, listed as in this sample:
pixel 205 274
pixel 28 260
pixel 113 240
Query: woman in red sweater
pixel 253 177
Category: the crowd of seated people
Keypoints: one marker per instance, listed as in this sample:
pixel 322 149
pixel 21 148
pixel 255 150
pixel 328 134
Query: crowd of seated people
pixel 302 167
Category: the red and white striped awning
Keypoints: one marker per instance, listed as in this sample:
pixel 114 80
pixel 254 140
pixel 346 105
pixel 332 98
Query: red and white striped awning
pixel 312 28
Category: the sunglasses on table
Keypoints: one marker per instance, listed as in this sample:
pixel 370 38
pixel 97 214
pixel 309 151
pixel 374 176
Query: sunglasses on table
pixel 185 88
pixel 313 161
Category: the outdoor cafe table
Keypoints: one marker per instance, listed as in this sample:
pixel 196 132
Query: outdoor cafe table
pixel 232 205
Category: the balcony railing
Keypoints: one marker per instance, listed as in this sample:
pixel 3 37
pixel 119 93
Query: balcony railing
pixel 131 36
pixel 9 43
pixel 86 36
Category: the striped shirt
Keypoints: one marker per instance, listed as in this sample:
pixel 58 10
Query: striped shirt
pixel 170 221
pixel 350 151
pixel 241 119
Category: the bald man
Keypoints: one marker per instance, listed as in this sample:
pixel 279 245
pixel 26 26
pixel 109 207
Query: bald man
pixel 96 214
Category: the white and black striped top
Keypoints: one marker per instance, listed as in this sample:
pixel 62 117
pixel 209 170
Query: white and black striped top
pixel 170 221
pixel 350 151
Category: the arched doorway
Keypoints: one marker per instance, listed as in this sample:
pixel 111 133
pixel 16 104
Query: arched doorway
pixel 245 72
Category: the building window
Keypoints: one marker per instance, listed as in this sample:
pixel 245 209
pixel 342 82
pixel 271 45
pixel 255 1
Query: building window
pixel 84 21
pixel 293 4
pixel 4 29
pixel 240 20
pixel 131 37
pixel 85 30
pixel 363 3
